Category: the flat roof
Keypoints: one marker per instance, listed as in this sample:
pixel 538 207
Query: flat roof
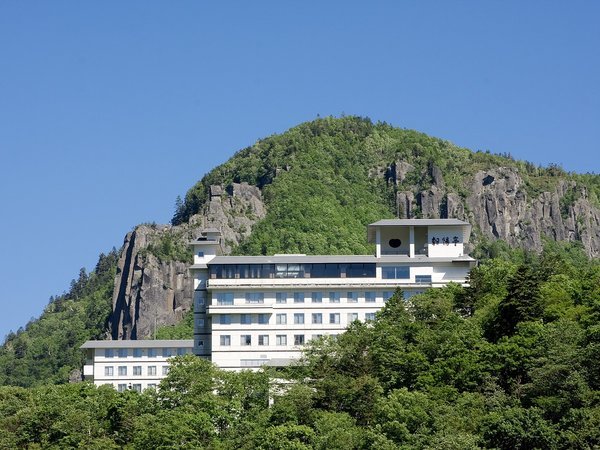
pixel 418 222
pixel 293 259
pixel 315 259
pixel 141 343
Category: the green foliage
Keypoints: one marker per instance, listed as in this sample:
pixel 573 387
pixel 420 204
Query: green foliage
pixel 171 247
pixel 47 349
pixel 182 330
pixel 423 375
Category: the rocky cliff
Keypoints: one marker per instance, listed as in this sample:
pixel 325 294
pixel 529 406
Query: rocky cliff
pixel 498 206
pixel 153 286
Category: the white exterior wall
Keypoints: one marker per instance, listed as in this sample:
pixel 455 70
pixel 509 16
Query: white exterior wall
pixel 440 250
pixel 235 355
pixel 95 368
pixel 415 252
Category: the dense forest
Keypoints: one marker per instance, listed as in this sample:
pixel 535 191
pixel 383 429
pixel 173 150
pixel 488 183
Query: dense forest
pixel 511 362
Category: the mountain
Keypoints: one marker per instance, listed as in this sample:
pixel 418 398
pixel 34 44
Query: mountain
pixel 312 189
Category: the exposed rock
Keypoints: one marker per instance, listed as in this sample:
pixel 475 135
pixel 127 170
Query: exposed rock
pixel 430 202
pixel 436 175
pixel 455 208
pixel 405 204
pixel 402 169
pixel 149 292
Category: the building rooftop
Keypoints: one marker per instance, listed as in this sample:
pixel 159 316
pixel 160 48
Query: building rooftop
pixel 316 259
pixel 418 223
pixel 134 343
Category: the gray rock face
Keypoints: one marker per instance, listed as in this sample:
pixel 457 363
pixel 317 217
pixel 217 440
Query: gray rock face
pixel 499 207
pixel 149 292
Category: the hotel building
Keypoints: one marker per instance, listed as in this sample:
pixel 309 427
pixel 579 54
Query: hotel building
pixel 251 311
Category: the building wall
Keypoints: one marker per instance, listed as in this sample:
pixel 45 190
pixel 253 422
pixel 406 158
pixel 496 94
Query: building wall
pixel 121 374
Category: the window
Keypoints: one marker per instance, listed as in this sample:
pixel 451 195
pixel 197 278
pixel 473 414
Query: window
pixel 370 297
pixel 281 339
pixel 108 371
pixel 317 318
pixel 317 297
pixel 165 370
pixel 317 336
pixel 360 270
pixel 151 370
pixel 224 319
pixel 167 352
pixel 201 344
pixel 200 323
pixel 281 319
pixel 253 270
pixel 298 318
pixel 245 319
pixel 298 297
pixel 137 352
pixel 200 254
pixel 182 351
pixel 109 353
pixel 395 272
pixel 369 316
pixel 137 370
pixel 255 297
pixel 352 297
pixel 137 387
pixel 281 297
pixel 225 298
pixel 122 371
pixel 225 340
pixel 422 279
pixel 298 339
pixel 263 339
pixel 263 319
pixel 334 297
pixel 334 317
pixel 352 317
pixel 122 353
pixel 151 386
pixel 245 339
pixel 289 271
pixel 324 270
pixel 122 387
pixel 387 295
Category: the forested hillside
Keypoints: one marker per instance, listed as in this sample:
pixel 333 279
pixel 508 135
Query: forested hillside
pixel 511 362
pixel 46 350
pixel 310 190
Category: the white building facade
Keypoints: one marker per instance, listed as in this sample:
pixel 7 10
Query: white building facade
pixel 251 311
pixel 132 364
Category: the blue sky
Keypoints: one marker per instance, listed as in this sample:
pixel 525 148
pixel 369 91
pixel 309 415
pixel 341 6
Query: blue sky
pixel 109 110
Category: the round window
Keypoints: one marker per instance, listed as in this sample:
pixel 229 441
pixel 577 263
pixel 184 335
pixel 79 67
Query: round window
pixel 395 243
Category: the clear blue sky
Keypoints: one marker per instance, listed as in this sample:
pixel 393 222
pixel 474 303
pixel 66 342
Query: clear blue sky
pixel 109 110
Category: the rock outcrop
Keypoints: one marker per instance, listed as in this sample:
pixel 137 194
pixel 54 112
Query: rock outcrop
pixel 151 290
pixel 498 206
